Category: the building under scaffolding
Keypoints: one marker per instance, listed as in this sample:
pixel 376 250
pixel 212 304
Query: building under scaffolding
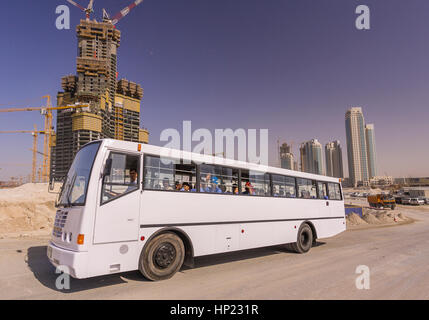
pixel 114 106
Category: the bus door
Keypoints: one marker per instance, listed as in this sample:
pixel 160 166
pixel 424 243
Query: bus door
pixel 117 216
pixel 323 195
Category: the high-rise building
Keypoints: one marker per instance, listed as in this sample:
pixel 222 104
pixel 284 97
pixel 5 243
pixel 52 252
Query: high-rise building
pixel 370 150
pixel 111 108
pixel 356 147
pixel 286 157
pixel 334 159
pixel 311 157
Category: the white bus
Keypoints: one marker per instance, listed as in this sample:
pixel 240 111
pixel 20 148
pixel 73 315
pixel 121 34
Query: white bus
pixel 126 206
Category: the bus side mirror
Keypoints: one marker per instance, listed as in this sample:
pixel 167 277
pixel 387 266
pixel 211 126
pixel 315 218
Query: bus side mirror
pixel 107 167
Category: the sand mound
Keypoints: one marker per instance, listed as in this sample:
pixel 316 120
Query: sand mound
pixel 402 217
pixel 354 220
pixel 29 207
pixel 385 217
pixel 371 219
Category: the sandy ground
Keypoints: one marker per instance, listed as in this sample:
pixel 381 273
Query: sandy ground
pixel 397 254
pixel 397 258
pixel 26 210
pixel 373 217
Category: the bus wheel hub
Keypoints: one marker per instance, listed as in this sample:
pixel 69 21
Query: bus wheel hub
pixel 164 255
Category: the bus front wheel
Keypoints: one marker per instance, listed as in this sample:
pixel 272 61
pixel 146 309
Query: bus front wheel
pixel 162 257
pixel 304 239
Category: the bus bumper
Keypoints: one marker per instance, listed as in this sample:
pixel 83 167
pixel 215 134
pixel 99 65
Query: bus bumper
pixel 71 262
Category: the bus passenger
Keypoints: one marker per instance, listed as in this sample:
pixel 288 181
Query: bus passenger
pixel 186 187
pixel 178 186
pixel 235 189
pixel 249 189
pixel 166 184
pixel 214 188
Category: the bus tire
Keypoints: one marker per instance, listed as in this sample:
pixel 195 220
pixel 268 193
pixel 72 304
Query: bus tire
pixel 162 257
pixel 304 239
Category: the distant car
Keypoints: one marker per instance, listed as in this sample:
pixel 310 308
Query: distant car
pixel 426 200
pixel 406 200
pixel 416 201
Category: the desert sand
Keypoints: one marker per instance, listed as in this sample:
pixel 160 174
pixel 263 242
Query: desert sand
pixel 27 209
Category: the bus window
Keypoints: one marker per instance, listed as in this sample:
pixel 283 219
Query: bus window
pixel 337 192
pixel 278 185
pixel 169 174
pixel 229 181
pixel 186 176
pixel 283 186
pixel 211 179
pixel 123 177
pixel 334 191
pixel 158 175
pixel 255 183
pixel 323 190
pixel 306 188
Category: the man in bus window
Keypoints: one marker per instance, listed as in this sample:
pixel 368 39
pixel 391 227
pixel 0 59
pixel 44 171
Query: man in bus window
pixel 166 184
pixel 133 180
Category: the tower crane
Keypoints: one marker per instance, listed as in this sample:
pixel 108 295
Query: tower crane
pixel 106 17
pixel 48 132
pixel 35 133
pixel 88 10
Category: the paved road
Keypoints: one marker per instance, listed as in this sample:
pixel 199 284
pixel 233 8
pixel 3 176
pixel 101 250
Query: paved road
pixel 397 257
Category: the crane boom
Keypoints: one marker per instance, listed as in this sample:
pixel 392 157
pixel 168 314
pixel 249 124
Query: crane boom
pixel 125 11
pixel 47 141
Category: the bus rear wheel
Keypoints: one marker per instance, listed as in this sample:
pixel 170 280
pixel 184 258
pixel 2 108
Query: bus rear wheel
pixel 304 239
pixel 162 257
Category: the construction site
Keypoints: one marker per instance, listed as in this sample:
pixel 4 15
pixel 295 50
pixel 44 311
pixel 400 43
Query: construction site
pixel 93 104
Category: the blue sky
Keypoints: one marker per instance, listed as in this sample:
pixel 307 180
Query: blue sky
pixel 291 66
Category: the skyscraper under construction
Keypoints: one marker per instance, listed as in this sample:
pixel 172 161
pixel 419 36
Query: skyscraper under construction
pixel 103 107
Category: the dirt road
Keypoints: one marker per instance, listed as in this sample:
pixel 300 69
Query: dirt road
pixel 397 257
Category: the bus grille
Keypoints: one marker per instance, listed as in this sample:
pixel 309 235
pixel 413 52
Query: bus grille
pixel 60 221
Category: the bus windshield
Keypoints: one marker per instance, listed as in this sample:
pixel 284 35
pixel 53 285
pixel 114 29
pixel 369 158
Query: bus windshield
pixel 73 192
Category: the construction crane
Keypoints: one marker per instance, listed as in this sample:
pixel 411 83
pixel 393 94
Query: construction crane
pixel 88 10
pixel 106 17
pixel 35 133
pixel 48 132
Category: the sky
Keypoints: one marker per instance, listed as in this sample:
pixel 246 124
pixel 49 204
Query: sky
pixel 293 67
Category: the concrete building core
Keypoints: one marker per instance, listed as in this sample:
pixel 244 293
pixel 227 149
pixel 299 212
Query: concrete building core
pixel 112 108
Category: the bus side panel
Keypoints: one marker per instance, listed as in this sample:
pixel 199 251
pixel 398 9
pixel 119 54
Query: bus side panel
pixel 253 235
pixel 112 258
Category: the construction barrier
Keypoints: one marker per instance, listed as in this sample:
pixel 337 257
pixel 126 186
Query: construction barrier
pixel 349 209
